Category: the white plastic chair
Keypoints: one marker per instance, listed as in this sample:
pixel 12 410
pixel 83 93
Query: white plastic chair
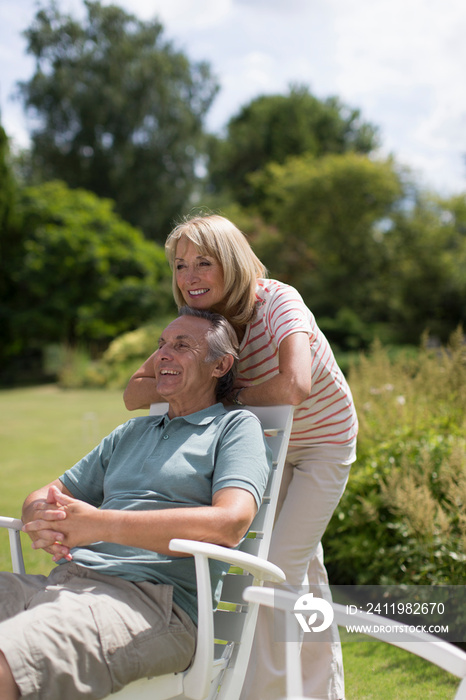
pixel 427 646
pixel 225 636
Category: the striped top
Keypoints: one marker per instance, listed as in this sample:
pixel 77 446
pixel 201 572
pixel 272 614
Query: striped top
pixel 328 415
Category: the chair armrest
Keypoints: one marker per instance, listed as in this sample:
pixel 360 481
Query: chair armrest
pixel 10 523
pixel 14 526
pixel 434 649
pixel 198 677
pixel 259 568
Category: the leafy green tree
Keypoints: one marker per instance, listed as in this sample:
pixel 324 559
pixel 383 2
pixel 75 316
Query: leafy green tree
pixel 329 216
pixel 85 275
pixel 118 110
pixel 272 128
pixel 7 184
pixel 9 238
pixel 426 248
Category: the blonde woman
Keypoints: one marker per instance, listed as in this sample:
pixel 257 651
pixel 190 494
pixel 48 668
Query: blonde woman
pixel 284 359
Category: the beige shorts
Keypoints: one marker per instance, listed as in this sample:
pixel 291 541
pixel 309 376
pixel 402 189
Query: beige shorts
pixel 81 634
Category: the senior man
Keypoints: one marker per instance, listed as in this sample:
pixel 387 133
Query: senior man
pixel 119 605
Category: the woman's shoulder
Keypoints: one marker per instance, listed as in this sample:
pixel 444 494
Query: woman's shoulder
pixel 268 289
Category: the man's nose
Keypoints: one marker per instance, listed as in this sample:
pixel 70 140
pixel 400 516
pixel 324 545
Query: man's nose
pixel 165 352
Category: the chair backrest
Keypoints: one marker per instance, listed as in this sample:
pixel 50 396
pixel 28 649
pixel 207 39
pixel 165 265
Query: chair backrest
pixel 234 619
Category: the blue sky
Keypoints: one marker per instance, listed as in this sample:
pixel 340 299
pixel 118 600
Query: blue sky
pixel 402 62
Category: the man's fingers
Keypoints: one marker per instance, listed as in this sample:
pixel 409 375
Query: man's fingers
pixel 58 552
pixel 54 507
pixel 58 514
pixel 65 554
pixel 42 528
pixel 46 539
pixel 50 540
pixel 45 520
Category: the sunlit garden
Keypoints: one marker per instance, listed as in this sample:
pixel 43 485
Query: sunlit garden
pixel 400 520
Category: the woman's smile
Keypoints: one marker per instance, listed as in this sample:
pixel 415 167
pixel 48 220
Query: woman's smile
pixel 197 292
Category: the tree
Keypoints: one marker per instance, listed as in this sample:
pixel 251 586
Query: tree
pixel 272 128
pixel 329 216
pixel 7 184
pixel 84 275
pixel 119 111
pixel 427 252
pixel 9 239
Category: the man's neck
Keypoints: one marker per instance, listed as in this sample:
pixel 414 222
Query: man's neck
pixel 177 410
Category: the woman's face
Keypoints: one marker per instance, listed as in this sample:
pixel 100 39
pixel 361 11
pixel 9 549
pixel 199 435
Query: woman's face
pixel 199 277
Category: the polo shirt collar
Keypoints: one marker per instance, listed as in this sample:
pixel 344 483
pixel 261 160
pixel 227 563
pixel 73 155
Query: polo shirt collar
pixel 204 417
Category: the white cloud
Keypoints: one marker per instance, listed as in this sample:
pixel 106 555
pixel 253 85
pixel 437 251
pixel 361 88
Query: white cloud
pixel 185 14
pixel 401 62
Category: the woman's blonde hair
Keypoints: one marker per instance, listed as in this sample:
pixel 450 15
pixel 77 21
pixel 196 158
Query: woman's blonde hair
pixel 219 238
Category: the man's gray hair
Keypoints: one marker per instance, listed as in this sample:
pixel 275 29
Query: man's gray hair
pixel 221 340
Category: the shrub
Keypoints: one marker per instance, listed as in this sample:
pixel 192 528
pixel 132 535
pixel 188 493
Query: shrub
pixel 121 359
pixel 402 518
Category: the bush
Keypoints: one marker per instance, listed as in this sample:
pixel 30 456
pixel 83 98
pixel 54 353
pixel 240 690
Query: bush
pixel 402 518
pixel 79 273
pixel 121 359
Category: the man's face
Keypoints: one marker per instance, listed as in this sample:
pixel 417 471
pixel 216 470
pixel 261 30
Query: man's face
pixel 183 376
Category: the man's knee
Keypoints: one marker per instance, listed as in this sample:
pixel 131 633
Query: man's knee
pixel 8 688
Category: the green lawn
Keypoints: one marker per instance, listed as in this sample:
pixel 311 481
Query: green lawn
pixel 45 430
pixel 378 671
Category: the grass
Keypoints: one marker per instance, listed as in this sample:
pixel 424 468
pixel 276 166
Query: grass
pixel 378 671
pixel 44 430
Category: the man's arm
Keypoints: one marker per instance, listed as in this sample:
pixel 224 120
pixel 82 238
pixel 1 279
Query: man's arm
pixel 225 522
pixel 42 504
pixel 142 387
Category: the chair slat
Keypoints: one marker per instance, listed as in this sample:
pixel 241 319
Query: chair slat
pixel 233 587
pixel 274 442
pixel 257 524
pixel 228 625
pixel 251 545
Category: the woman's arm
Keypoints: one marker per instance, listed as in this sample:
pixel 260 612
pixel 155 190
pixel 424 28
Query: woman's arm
pixel 292 384
pixel 142 389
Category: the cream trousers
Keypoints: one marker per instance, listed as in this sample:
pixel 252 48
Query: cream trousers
pixel 313 483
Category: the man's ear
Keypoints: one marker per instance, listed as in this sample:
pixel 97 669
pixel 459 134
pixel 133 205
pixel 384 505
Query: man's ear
pixel 223 366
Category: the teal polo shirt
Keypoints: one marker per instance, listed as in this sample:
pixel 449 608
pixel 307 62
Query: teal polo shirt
pixel 152 462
